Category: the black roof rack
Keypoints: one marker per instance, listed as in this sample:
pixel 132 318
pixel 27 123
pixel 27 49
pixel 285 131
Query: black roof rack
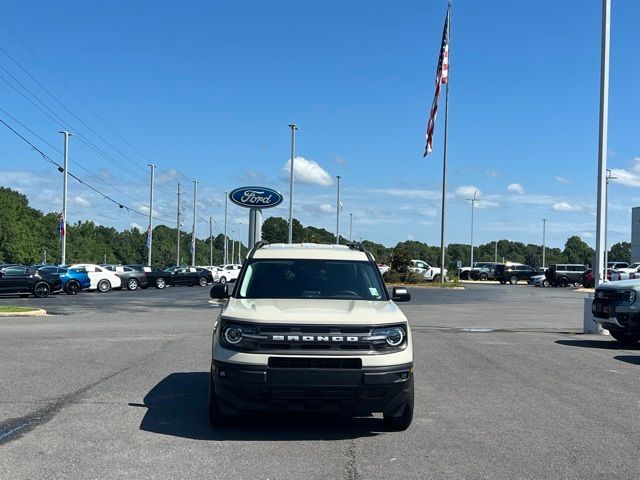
pixel 360 248
pixel 259 244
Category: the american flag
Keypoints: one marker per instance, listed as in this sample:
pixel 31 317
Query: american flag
pixel 61 227
pixel 442 76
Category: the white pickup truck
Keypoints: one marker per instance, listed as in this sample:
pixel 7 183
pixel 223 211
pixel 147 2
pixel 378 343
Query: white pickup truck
pixel 430 273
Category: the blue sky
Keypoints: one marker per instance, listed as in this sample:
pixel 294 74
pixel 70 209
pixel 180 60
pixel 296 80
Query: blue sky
pixel 206 90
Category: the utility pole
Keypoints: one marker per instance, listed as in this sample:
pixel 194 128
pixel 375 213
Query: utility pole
pixel 226 243
pixel 63 221
pixel 210 241
pixel 473 204
pixel 178 227
pixel 338 177
pixel 293 128
pixel 193 230
pixel 495 255
pixel 233 245
pixel 150 231
pixel 599 269
pixel 351 227
pixel 544 244
pixel 609 177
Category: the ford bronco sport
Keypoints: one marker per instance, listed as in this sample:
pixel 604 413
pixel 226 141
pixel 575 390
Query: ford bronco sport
pixel 311 328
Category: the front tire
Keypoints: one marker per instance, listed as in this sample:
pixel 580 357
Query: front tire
pixel 202 281
pixel 545 283
pixel 484 277
pixel 132 284
pixel 563 282
pixel 73 287
pixel 223 279
pixel 513 280
pixel 161 283
pixel 104 286
pixel 436 278
pixel 625 338
pixel 402 421
pixel 216 417
pixel 41 290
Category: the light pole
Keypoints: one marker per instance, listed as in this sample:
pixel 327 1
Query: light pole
pixel 544 244
pixel 495 255
pixel 608 178
pixel 211 241
pixel 193 234
pixel 62 229
pixel 351 227
pixel 150 231
pixel 601 209
pixel 293 128
pixel 178 227
pixel 226 212
pixel 233 245
pixel 338 177
pixel 473 204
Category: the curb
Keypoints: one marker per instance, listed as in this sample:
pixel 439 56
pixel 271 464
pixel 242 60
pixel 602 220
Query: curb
pixel 36 312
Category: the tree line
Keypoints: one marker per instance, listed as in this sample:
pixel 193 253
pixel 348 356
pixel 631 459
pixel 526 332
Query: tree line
pixel 26 233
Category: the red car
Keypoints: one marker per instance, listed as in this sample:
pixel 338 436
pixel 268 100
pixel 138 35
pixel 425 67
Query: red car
pixel 587 278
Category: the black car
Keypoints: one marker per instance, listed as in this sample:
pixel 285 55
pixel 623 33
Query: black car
pixel 131 278
pixel 27 280
pixel 154 276
pixel 513 273
pixel 563 274
pixel 190 276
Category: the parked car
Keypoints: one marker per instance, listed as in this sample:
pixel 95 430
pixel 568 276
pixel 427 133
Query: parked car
pixel 540 280
pixel 154 276
pixel 383 268
pixel 28 281
pixel 72 280
pixel 588 281
pixel 483 271
pixel 191 276
pixel 101 279
pixel 615 306
pixel 430 273
pixel 227 273
pixel 564 274
pixel 513 273
pixel 617 265
pixel 634 268
pixel 131 278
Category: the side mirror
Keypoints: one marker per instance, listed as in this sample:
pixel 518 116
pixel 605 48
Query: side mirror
pixel 220 291
pixel 400 294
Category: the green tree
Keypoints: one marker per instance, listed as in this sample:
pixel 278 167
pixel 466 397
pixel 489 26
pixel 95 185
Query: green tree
pixel 620 252
pixel 577 251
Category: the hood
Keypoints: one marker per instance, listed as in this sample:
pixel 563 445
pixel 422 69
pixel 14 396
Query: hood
pixel 314 311
pixel 620 284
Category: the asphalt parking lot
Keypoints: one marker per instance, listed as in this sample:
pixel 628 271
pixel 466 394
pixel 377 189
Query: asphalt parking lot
pixel 115 386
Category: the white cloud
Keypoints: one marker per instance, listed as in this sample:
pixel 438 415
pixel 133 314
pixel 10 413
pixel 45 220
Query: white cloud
pixel 561 179
pixel 628 178
pixel 468 191
pixel 493 173
pixel 80 201
pixel 428 212
pixel 410 237
pixel 486 204
pixel 135 225
pixel 517 188
pixel 326 208
pixel 405 193
pixel 566 207
pixel 307 171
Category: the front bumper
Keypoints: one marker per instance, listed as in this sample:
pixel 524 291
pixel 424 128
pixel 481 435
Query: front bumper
pixel 244 388
pixel 613 316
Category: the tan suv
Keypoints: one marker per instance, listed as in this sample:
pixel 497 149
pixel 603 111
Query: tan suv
pixel 311 327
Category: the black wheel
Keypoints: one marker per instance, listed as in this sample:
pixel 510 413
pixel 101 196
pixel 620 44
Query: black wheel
pixel 484 277
pixel 223 279
pixel 464 275
pixel 202 281
pixel 41 290
pixel 563 282
pixel 625 338
pixel 72 287
pixel 436 278
pixel 545 283
pixel 132 284
pixel 402 421
pixel 216 417
pixel 513 280
pixel 577 284
pixel 161 283
pixel 104 286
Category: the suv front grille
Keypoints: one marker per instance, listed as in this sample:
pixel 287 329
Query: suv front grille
pixel 295 362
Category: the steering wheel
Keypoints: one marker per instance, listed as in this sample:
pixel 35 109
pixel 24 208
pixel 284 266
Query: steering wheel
pixel 340 293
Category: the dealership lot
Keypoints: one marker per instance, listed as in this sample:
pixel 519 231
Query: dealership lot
pixel 115 385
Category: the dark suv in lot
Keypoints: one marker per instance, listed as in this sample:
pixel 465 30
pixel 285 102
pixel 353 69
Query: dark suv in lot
pixel 513 273
pixel 564 274
pixel 483 271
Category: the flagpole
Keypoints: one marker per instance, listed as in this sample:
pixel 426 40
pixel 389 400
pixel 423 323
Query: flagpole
pixel 444 154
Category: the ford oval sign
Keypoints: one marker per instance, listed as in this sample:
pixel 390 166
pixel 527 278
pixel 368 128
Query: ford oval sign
pixel 255 197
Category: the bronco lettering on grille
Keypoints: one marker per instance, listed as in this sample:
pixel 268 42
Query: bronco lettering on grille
pixel 313 338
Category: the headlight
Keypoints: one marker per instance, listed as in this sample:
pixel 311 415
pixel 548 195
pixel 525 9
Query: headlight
pixel 393 336
pixel 244 337
pixel 629 297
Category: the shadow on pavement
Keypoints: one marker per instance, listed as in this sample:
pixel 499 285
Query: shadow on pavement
pixel 601 344
pixel 178 406
pixel 633 359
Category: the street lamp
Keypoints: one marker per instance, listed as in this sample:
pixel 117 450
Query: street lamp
pixel 608 178
pixel 544 238
pixel 473 204
pixel 338 177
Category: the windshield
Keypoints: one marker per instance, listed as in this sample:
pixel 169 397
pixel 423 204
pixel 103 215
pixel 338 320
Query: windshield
pixel 299 278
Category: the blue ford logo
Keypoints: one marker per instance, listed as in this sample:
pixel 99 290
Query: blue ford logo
pixel 255 197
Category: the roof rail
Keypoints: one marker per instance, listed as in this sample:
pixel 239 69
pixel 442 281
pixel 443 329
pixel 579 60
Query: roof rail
pixel 259 244
pixel 359 247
